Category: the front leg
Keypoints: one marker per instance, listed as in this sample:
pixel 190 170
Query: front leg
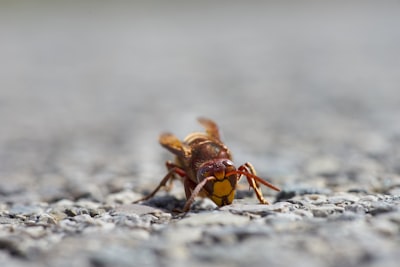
pixel 173 169
pixel 192 190
pixel 170 165
pixel 248 168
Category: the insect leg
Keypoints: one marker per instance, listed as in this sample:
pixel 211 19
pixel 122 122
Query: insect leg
pixel 189 186
pixel 196 191
pixel 170 175
pixel 178 171
pixel 248 167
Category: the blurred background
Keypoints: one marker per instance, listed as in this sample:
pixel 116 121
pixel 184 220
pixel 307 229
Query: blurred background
pixel 301 89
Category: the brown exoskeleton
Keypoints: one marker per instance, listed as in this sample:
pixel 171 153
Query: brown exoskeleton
pixel 205 166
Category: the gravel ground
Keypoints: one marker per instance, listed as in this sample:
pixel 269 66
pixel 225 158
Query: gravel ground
pixel 307 92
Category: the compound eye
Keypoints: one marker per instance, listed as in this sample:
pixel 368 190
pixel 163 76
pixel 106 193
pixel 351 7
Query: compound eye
pixel 205 171
pixel 228 163
pixel 229 167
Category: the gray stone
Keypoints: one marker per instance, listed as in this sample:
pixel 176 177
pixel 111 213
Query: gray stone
pixel 213 218
pixel 258 208
pixel 19 209
pixel 316 199
pixel 292 192
pixel 326 210
pixel 303 213
pixel 343 199
pixel 356 208
pixel 47 219
pixel 7 220
pixel 380 207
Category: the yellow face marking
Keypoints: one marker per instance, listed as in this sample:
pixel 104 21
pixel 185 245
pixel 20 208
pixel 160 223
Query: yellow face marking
pixel 217 200
pixel 220 175
pixel 231 197
pixel 223 193
pixel 222 188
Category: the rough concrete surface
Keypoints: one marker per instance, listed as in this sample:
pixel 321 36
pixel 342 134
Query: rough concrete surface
pixel 306 91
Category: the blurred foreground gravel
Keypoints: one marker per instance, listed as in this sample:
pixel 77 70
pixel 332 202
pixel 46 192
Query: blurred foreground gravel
pixel 307 92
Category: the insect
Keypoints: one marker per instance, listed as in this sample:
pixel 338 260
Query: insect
pixel 204 164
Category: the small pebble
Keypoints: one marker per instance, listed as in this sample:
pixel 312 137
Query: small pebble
pixel 341 198
pixel 258 208
pixel 325 210
pixel 25 209
pixel 316 199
